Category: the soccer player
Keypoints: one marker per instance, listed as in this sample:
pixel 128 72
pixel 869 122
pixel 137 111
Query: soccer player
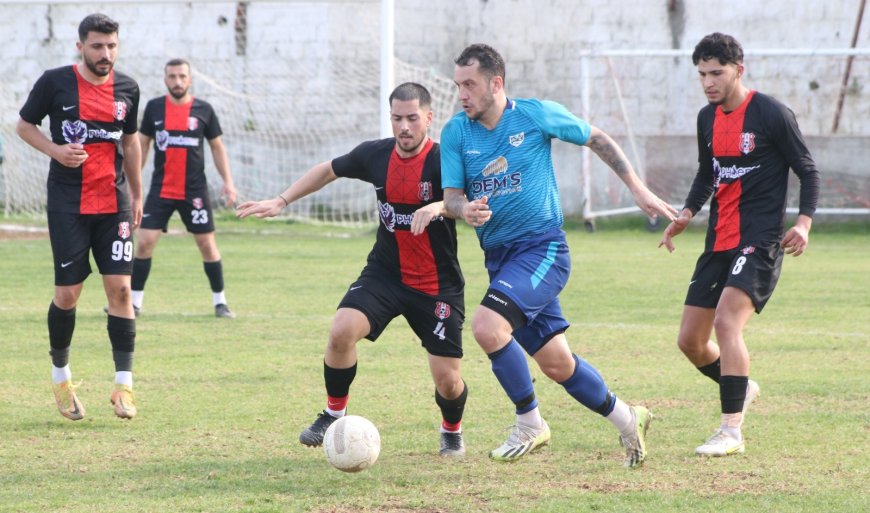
pixel 177 123
pixel 412 271
pixel 747 141
pixel 498 176
pixel 92 205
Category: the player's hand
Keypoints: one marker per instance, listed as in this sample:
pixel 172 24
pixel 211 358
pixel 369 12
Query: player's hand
pixel 675 228
pixel 229 193
pixel 136 211
pixel 654 206
pixel 70 155
pixel 795 241
pixel 425 215
pixel 477 212
pixel 263 208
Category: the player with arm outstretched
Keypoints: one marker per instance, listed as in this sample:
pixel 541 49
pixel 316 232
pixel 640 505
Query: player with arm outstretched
pixel 498 175
pixel 412 271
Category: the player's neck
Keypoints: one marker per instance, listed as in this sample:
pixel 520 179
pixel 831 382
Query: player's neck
pixel 180 101
pixel 736 100
pixel 90 76
pixel 493 115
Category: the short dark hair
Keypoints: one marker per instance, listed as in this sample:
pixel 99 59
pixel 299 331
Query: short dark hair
pixel 489 60
pixel 177 62
pixel 718 46
pixel 97 23
pixel 411 91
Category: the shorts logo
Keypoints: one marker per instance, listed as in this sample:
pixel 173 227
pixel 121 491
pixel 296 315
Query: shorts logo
pixel 748 250
pixel 442 310
pixel 517 139
pixel 74 132
pixel 197 203
pixel 192 124
pixel 120 110
pixel 747 142
pixel 424 191
pixel 124 230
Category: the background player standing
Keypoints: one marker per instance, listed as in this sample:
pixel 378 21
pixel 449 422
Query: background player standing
pixel 747 141
pixel 498 175
pixel 178 123
pixel 412 270
pixel 92 111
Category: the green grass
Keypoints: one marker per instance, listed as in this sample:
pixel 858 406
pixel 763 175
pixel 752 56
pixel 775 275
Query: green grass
pixel 222 401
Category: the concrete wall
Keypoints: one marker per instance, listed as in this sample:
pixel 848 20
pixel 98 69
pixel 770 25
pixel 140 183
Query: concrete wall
pixel 314 64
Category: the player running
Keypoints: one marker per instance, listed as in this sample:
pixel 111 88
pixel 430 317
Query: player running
pixel 747 141
pixel 412 270
pixel 498 176
pixel 92 110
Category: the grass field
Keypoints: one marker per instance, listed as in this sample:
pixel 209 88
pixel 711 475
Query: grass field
pixel 221 402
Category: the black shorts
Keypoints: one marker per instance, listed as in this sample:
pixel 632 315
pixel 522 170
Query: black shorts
pixel 437 320
pixel 752 269
pixel 108 236
pixel 196 213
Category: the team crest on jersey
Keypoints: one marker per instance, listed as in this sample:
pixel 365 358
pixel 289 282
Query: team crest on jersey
pixel 74 132
pixel 124 230
pixel 120 110
pixel 517 139
pixel 197 203
pixel 388 215
pixel 442 310
pixel 748 250
pixel 424 191
pixel 192 124
pixel 747 142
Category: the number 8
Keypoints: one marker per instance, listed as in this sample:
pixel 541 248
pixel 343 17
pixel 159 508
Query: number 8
pixel 738 265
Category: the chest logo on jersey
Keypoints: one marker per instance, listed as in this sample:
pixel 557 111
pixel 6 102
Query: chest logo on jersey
pixel 517 139
pixel 442 310
pixel 192 124
pixel 390 218
pixel 162 140
pixel 120 110
pixel 424 191
pixel 74 132
pixel 747 142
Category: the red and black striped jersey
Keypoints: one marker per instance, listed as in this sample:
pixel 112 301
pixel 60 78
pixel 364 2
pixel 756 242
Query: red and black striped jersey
pixel 427 262
pixel 744 157
pixel 178 132
pixel 93 115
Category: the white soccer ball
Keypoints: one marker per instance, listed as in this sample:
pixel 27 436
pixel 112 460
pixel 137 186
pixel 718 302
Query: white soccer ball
pixel 352 443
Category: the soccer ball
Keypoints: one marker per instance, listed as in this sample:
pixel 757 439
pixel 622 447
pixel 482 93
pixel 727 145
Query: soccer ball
pixel 352 443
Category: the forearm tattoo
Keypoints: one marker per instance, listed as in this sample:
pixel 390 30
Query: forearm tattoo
pixel 610 153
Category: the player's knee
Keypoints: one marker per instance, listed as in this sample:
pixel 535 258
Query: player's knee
pixel 487 335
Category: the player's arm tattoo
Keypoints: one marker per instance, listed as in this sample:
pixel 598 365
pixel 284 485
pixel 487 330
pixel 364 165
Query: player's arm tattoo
pixel 609 152
pixel 454 202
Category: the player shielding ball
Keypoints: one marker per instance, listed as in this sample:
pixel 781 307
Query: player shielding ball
pixel 498 175
pixel 93 206
pixel 412 271
pixel 747 141
pixel 177 123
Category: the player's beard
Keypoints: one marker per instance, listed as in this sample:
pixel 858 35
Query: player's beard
pixel 93 66
pixel 483 105
pixel 410 146
pixel 178 95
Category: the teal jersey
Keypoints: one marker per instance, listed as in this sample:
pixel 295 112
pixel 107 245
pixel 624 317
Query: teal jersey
pixel 512 166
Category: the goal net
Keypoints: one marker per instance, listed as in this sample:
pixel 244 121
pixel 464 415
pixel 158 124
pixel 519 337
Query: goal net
pixel 648 101
pixel 282 107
